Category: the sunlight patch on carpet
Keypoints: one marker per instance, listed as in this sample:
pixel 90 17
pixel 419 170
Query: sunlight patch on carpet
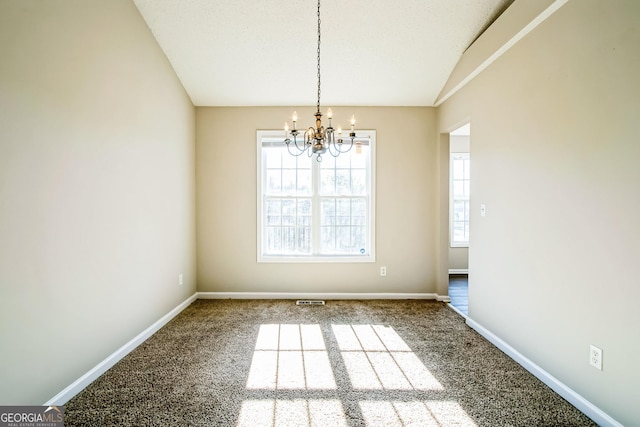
pixel 400 414
pixel 290 357
pixel 296 412
pixel 377 358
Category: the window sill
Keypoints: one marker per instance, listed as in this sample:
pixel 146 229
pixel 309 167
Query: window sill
pixel 354 259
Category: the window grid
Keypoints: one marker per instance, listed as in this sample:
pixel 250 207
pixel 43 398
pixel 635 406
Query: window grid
pixel 310 209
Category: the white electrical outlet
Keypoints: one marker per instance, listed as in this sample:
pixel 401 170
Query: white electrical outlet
pixel 595 357
pixel 180 280
pixel 383 271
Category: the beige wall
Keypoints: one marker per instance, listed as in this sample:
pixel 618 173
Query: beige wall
pixel 555 160
pixel 458 258
pixel 97 191
pixel 406 214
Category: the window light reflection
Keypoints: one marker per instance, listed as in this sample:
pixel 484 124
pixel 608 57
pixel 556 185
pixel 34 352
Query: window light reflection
pixel 291 357
pixel 400 414
pixel 295 412
pixel 376 357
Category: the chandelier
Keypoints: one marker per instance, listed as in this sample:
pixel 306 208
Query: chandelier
pixel 319 140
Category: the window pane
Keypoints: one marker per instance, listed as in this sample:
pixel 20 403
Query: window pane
pixel 328 162
pixel 458 211
pixel 273 240
pixel 304 212
pixel 358 237
pixel 343 239
pixel 458 169
pixel 359 159
pixel 274 183
pixel 288 181
pixel 343 182
pixel 328 214
pixel 343 162
pixel 328 239
pixel 467 169
pixel 343 207
pixel 304 182
pixel 288 212
pixel 458 189
pixel 273 158
pixel 327 182
pixel 288 240
pixel 273 212
pixel 358 182
pixel 303 239
pixel 291 162
pixel 458 232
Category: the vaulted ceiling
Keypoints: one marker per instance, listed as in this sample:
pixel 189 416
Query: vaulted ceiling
pixel 263 52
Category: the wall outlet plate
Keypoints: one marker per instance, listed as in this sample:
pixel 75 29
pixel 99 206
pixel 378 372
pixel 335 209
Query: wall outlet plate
pixel 595 357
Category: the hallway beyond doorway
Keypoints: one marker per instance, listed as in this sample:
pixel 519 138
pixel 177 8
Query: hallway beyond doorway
pixel 459 292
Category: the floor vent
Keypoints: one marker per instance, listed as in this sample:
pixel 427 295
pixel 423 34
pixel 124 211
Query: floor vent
pixel 309 302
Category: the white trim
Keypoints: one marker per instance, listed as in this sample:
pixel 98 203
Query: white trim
pixel 503 49
pixel 316 295
pixel 443 298
pixel 458 271
pixel 588 408
pixel 78 385
pixel 454 308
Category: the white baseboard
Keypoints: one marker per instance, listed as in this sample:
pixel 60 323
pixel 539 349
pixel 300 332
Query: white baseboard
pixel 443 298
pixel 588 408
pixel 454 308
pixel 78 385
pixel 458 271
pixel 317 295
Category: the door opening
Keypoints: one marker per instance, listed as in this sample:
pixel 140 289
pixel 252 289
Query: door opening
pixel 459 207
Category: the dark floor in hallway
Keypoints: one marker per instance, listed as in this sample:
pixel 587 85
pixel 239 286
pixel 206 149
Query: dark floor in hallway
pixel 459 292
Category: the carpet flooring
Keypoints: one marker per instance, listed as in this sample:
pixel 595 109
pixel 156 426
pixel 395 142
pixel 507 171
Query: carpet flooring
pixel 350 363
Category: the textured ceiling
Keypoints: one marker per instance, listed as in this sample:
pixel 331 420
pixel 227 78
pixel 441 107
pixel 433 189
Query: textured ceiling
pixel 263 52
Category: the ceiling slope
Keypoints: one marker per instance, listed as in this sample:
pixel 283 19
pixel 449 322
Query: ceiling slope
pixel 263 53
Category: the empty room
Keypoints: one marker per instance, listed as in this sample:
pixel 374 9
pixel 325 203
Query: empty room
pixel 335 213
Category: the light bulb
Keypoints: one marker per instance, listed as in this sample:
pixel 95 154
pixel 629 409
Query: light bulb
pixel 329 113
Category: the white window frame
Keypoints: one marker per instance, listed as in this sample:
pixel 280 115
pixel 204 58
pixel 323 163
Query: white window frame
pixel 370 135
pixel 452 199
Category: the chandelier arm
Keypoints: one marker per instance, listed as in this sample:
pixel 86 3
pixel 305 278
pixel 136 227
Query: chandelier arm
pixel 301 151
pixel 296 143
pixel 337 148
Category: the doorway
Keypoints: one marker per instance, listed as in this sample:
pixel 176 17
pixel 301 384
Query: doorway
pixel 459 206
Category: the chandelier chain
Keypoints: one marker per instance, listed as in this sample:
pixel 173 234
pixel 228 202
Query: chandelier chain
pixel 318 105
pixel 318 140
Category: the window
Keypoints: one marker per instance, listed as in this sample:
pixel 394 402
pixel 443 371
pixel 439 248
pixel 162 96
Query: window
pixel 460 185
pixel 315 211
